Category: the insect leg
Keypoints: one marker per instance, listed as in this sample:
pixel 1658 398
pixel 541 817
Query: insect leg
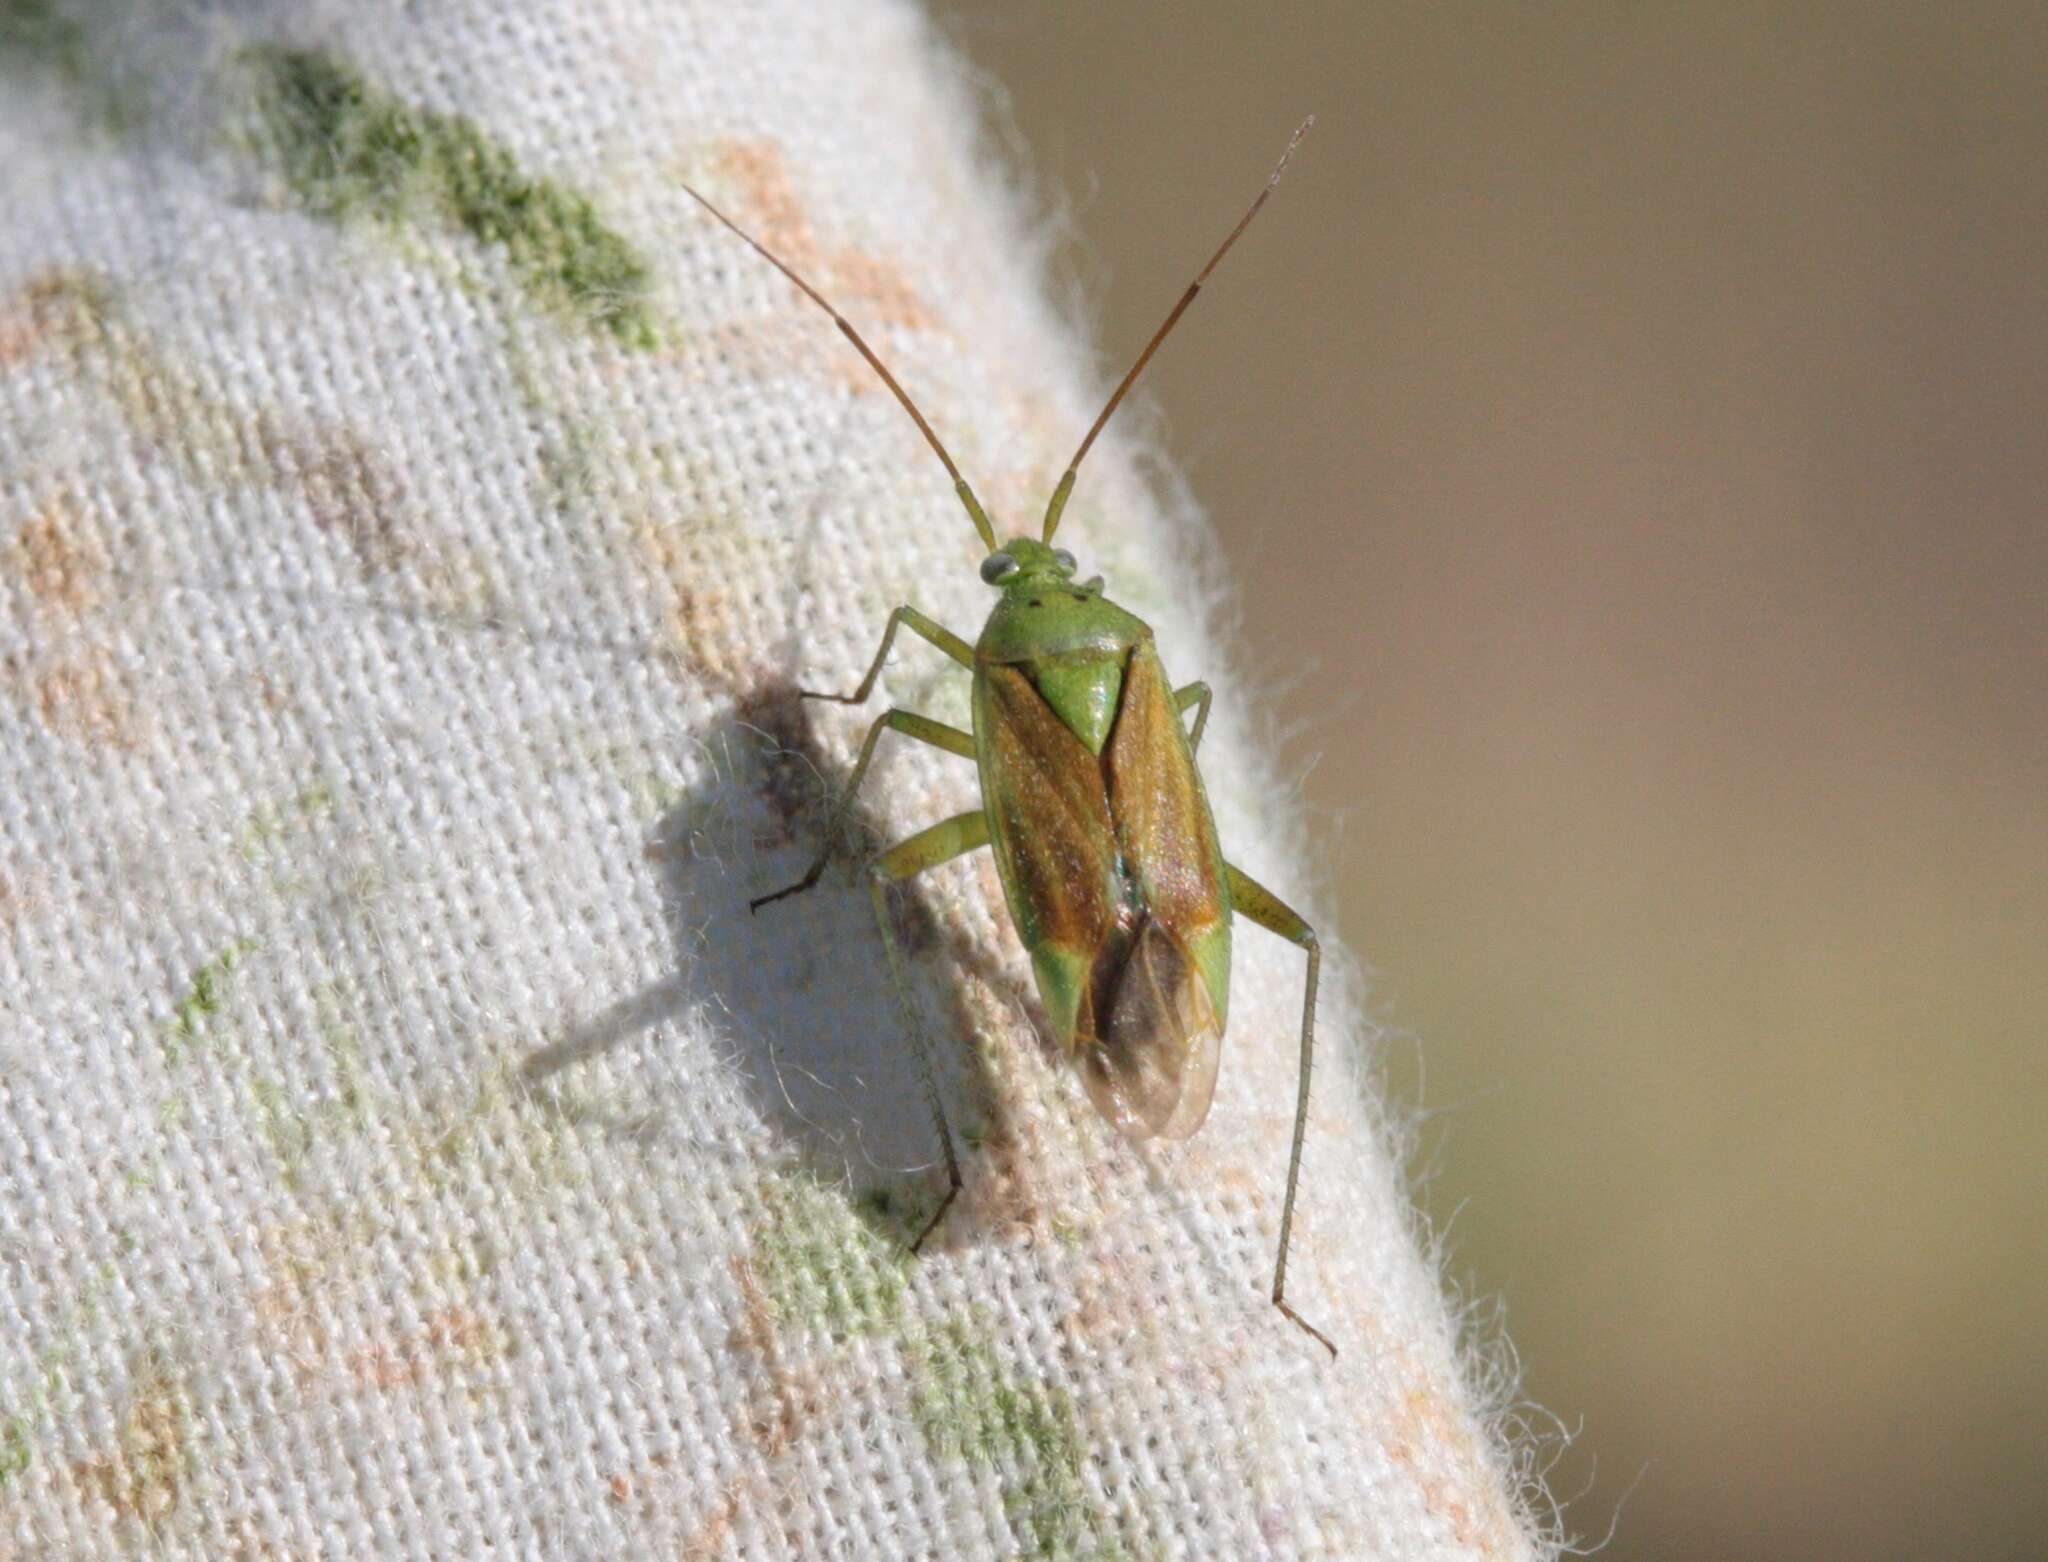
pixel 925 730
pixel 942 842
pixel 1196 693
pixel 931 629
pixel 1251 899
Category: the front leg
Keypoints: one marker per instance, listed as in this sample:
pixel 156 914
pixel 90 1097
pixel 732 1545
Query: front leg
pixel 1254 901
pixel 910 724
pixel 942 842
pixel 937 633
pixel 1196 693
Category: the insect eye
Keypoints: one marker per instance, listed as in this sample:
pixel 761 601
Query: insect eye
pixel 998 566
pixel 1063 561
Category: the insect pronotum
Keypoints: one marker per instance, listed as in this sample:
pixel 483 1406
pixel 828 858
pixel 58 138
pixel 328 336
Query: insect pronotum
pixel 1093 806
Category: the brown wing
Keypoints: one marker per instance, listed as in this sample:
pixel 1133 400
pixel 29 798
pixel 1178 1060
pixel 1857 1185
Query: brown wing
pixel 1114 880
pixel 1055 844
pixel 1166 1025
pixel 1161 813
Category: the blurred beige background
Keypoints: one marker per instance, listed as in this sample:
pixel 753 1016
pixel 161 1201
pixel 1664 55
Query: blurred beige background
pixel 1629 429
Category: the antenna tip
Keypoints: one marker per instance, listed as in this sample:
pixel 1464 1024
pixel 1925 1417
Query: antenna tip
pixel 1293 141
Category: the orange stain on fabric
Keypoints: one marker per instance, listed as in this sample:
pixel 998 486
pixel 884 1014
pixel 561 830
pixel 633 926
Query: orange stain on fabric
pixel 786 1399
pixel 454 1337
pixel 700 620
pixel 59 557
pixel 84 698
pixel 50 307
pixel 143 1475
pixel 1429 1435
pixel 871 291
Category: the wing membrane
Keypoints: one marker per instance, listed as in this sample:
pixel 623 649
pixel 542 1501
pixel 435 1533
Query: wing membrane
pixel 1152 1066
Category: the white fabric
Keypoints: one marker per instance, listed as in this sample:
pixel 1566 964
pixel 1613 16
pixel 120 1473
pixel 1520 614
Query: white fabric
pixel 409 1144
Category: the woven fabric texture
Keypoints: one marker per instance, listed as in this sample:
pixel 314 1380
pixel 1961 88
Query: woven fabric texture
pixel 416 520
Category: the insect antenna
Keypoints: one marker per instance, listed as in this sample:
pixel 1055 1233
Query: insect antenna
pixel 1066 486
pixel 960 486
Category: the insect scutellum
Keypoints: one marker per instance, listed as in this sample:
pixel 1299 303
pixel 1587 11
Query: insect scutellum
pixel 1094 809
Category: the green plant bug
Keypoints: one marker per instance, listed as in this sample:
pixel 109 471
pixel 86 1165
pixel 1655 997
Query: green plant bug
pixel 1091 801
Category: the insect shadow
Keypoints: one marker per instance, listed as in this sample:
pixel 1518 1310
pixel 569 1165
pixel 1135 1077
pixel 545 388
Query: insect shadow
pixel 801 1003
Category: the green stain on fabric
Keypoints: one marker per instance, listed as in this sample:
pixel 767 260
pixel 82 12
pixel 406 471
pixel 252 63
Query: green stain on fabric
pixel 571 450
pixel 351 1103
pixel 33 32
pixel 37 37
pixel 495 1134
pixel 969 1405
pixel 16 1453
pixel 460 1264
pixel 203 998
pixel 658 797
pixel 820 1267
pixel 270 823
pixel 269 837
pixel 49 1389
pixel 348 148
pixel 288 1132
